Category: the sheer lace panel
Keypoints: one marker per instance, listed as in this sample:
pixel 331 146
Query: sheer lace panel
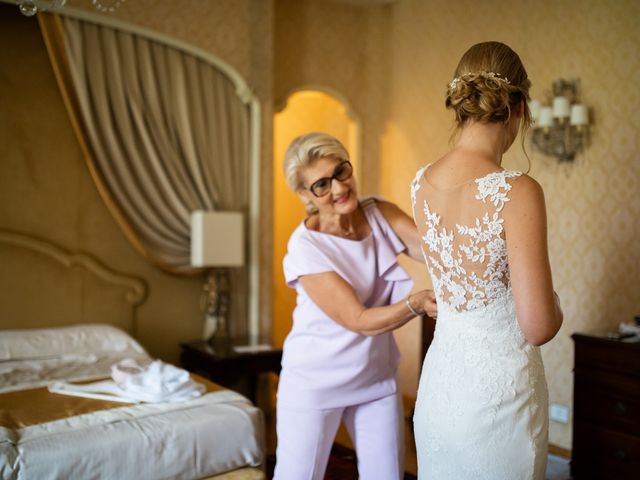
pixel 463 238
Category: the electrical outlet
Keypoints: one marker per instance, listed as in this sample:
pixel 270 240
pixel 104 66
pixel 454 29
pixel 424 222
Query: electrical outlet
pixel 559 413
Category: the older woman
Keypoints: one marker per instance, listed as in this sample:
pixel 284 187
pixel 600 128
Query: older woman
pixel 340 358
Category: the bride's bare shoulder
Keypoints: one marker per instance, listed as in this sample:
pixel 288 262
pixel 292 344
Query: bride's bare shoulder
pixel 526 195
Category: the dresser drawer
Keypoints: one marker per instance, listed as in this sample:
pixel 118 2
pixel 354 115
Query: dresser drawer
pixel 599 353
pixel 603 454
pixel 607 401
pixel 609 381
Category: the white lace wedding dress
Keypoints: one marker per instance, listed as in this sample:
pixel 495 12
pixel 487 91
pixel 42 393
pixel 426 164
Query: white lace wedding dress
pixel 481 411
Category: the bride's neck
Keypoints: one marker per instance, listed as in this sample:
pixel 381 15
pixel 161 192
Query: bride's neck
pixel 487 139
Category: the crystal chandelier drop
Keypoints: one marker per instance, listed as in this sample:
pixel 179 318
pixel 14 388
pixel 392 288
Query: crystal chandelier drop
pixel 30 7
pixel 561 128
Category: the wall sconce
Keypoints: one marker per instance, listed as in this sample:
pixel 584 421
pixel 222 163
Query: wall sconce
pixel 560 130
pixel 217 240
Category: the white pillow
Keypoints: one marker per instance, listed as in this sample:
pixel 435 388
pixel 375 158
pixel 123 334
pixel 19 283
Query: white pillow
pixel 77 339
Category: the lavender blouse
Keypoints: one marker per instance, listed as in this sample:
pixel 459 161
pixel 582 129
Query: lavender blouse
pixel 324 365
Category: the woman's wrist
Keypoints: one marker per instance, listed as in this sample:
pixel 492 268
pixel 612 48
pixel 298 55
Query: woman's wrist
pixel 410 307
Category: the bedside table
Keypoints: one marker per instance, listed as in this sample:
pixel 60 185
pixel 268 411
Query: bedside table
pixel 222 363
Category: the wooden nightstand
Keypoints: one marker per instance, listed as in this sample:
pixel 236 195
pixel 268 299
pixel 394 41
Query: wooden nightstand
pixel 222 363
pixel 606 409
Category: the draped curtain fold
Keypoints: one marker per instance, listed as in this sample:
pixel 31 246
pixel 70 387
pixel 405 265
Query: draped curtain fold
pixel 163 132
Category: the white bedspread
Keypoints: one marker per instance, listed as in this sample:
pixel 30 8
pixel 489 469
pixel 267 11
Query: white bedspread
pixel 218 432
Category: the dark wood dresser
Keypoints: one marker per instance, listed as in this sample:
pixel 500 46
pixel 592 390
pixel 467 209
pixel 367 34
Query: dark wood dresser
pixel 606 409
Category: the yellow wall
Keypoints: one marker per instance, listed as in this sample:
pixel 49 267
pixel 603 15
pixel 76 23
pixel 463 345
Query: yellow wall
pixel 305 111
pixel 593 204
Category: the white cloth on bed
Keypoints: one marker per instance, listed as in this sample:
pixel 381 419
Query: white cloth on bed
pixel 104 390
pixel 155 382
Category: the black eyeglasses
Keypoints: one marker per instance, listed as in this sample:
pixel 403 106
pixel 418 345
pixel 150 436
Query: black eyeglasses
pixel 322 187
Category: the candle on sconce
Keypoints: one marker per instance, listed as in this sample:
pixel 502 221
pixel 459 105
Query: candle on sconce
pixel 579 115
pixel 534 108
pixel 560 107
pixel 546 117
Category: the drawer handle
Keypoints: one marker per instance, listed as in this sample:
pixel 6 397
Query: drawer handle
pixel 620 408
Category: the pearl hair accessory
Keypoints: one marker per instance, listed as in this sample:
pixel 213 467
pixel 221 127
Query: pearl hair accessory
pixel 495 76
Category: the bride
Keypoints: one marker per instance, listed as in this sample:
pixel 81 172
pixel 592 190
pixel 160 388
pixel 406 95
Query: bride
pixel 482 406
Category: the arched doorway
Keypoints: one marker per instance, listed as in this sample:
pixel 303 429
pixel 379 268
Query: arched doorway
pixel 305 110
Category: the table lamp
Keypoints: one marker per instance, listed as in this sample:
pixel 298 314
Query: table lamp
pixel 217 241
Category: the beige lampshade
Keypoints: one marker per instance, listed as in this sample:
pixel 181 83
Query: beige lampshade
pixel 534 108
pixel 546 117
pixel 217 239
pixel 561 107
pixel 579 115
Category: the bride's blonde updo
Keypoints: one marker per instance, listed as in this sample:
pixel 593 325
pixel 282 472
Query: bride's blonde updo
pixel 489 83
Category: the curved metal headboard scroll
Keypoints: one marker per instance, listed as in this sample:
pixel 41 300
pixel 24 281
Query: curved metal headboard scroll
pixel 135 288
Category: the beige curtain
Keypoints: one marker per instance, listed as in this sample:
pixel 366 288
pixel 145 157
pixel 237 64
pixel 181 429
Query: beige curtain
pixel 164 133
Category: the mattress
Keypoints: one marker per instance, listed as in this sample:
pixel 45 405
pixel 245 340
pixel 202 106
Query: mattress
pixel 218 432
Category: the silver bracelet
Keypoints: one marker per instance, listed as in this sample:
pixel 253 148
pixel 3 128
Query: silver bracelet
pixel 413 310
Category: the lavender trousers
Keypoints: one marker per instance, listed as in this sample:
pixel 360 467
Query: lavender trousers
pixel 305 438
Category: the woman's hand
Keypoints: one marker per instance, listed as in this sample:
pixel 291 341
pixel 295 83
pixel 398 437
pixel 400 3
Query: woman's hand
pixel 424 303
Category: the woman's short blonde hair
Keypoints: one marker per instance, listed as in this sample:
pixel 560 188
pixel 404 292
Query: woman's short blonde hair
pixel 303 150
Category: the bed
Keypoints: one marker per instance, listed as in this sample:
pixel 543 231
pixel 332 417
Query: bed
pixel 219 435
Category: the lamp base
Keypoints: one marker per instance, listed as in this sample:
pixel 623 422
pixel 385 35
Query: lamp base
pixel 210 327
pixel 217 304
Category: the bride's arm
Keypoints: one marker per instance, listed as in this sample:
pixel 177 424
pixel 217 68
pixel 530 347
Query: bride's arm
pixel 525 222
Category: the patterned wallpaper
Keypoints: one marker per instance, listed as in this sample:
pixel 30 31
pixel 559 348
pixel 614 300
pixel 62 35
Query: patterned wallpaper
pixel 220 27
pixel 593 204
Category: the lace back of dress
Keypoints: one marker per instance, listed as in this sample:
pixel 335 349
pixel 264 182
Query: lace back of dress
pixel 463 238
